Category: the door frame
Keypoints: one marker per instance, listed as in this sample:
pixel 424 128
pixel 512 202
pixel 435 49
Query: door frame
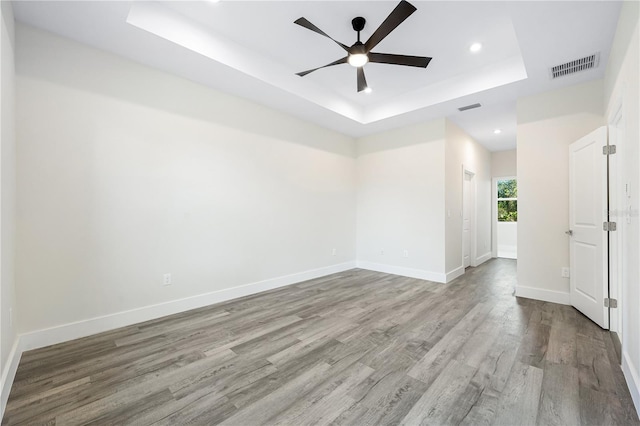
pixel 473 219
pixel 618 213
pixel 494 212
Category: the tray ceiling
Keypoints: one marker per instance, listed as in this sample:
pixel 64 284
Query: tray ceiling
pixel 253 49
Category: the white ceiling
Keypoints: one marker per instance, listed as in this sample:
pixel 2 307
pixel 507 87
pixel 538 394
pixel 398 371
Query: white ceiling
pixel 253 49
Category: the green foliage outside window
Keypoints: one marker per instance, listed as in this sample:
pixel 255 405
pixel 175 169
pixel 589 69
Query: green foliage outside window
pixel 507 211
pixel 507 188
pixel 507 200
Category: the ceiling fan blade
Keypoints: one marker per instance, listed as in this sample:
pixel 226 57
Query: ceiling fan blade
pixel 339 61
pixel 362 81
pixel 395 18
pixel 303 22
pixel 388 58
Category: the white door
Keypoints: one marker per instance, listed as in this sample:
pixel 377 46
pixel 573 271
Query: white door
pixel 587 213
pixel 466 220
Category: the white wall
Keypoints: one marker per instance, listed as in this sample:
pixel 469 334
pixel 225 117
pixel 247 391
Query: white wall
pixel 621 83
pixel 504 163
pixel 7 200
pixel 409 180
pixel 462 150
pixel 126 173
pixel 507 240
pixel 400 199
pixel 547 124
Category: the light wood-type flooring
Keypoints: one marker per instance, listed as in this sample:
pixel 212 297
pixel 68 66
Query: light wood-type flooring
pixel 355 348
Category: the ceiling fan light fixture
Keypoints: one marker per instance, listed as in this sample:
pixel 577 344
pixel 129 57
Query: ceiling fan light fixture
pixel 368 90
pixel 497 131
pixel 358 60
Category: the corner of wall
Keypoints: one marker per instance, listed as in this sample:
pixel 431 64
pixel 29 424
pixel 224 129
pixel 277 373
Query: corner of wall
pixel 9 342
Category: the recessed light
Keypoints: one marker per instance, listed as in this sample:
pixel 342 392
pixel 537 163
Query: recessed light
pixel 368 90
pixel 475 47
pixel 497 131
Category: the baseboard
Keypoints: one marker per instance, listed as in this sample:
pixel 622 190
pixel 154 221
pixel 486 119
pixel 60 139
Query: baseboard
pixel 452 275
pixel 481 259
pixel 76 330
pixel 617 345
pixel 633 382
pixel 9 373
pixel 405 272
pixel 544 295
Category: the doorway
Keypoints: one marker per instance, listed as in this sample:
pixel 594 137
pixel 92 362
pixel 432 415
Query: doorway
pixel 505 217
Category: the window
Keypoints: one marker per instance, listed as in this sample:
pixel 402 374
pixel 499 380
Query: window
pixel 507 200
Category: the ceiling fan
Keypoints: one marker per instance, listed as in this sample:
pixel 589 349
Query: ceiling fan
pixel 359 54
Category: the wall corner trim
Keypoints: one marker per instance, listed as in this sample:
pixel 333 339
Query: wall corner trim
pixel 545 295
pixel 452 275
pixel 405 272
pixel 632 379
pixel 75 330
pixel 9 373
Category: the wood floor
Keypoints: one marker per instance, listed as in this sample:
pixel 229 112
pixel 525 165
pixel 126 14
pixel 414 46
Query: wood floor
pixel 356 348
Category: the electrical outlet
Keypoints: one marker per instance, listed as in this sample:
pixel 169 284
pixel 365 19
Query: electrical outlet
pixel 333 252
pixel 406 253
pixel 565 272
pixel 166 279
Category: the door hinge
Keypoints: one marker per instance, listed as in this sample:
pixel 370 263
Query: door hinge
pixel 609 226
pixel 608 149
pixel 610 303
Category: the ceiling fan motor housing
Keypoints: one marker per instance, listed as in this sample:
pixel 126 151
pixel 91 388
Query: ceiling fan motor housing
pixel 358 49
pixel 358 23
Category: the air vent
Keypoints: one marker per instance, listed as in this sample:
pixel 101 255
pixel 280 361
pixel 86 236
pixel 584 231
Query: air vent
pixel 577 65
pixel 464 108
